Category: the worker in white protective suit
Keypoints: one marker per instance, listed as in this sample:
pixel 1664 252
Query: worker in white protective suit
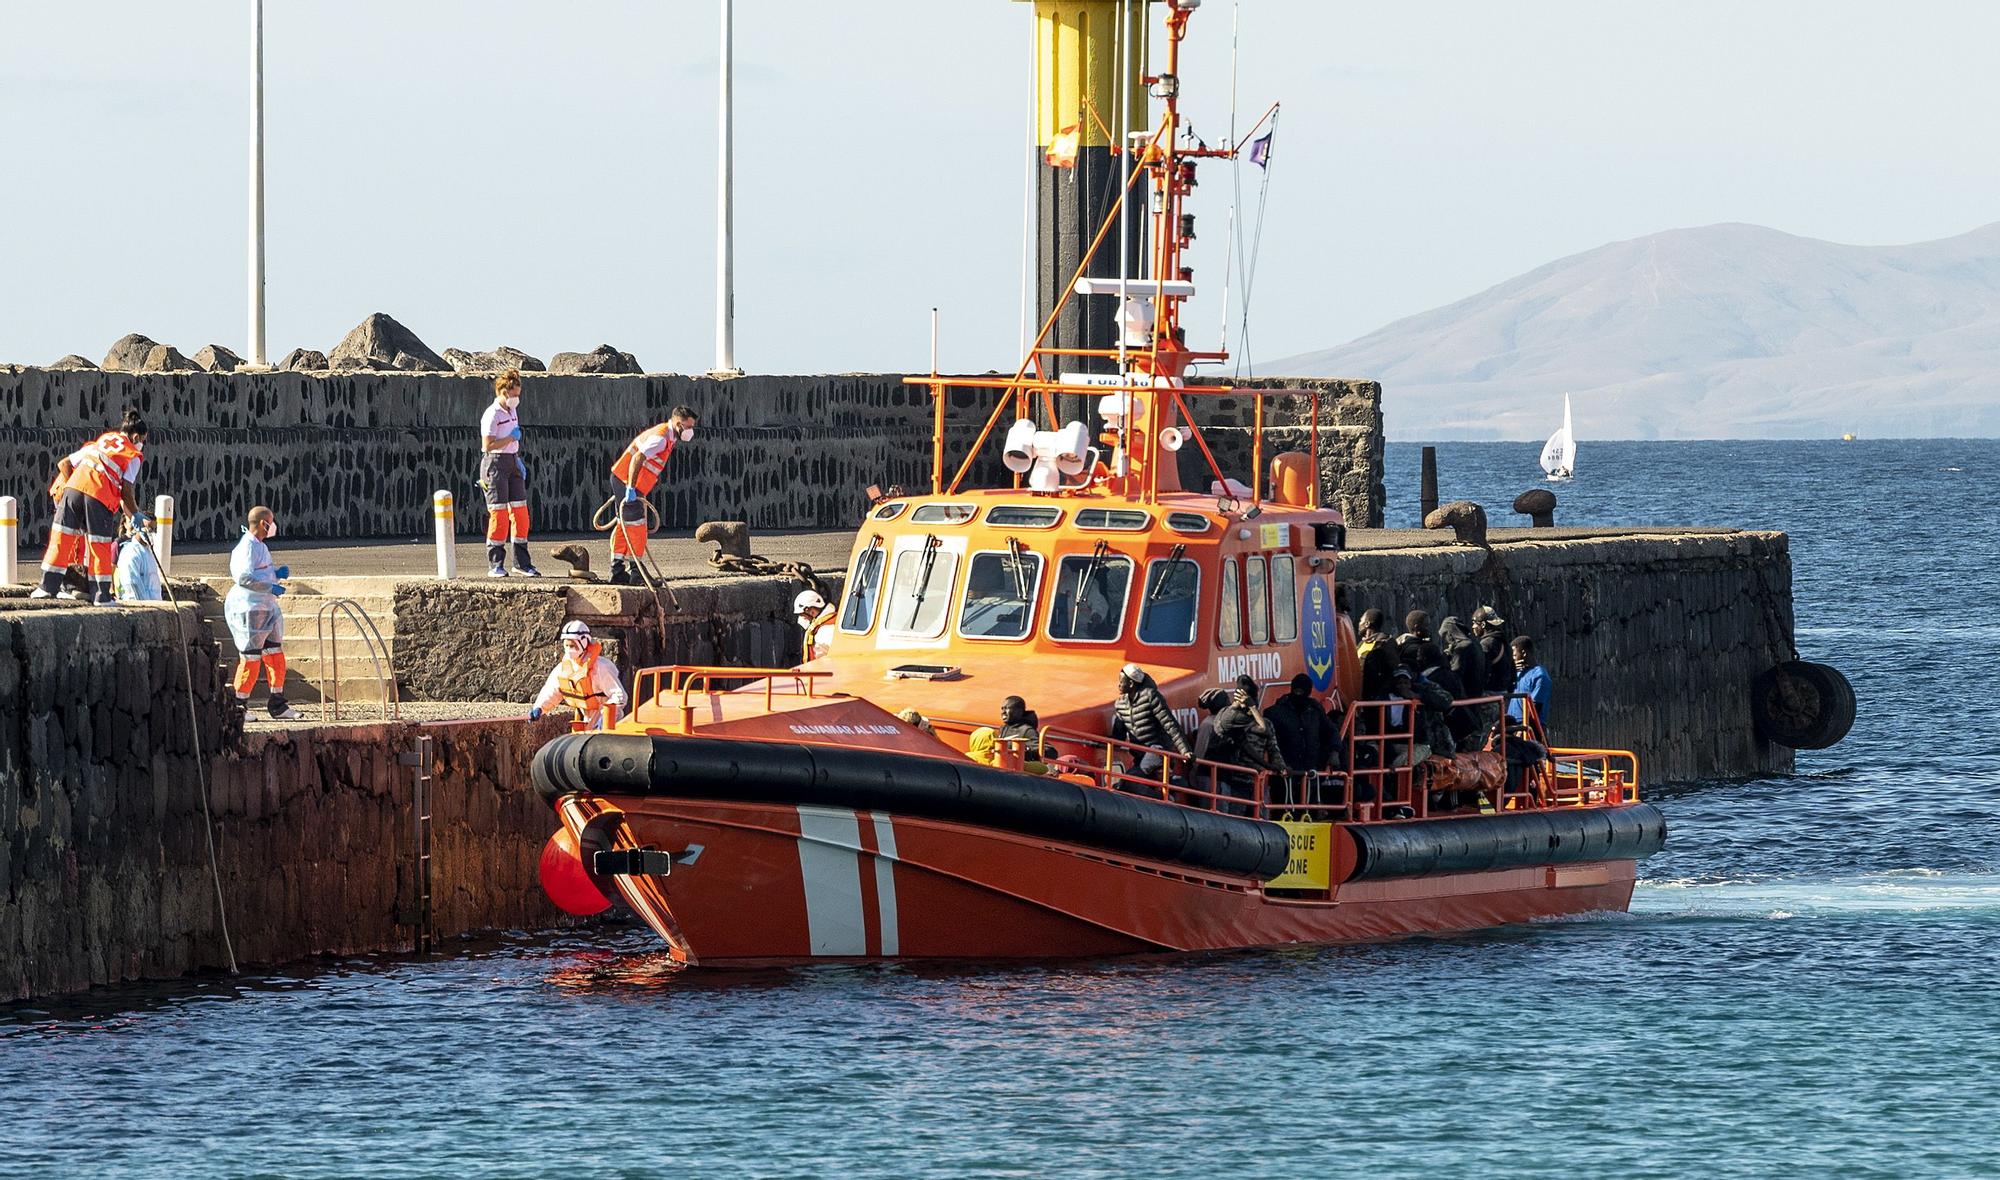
pixel 816 620
pixel 583 679
pixel 136 577
pixel 255 620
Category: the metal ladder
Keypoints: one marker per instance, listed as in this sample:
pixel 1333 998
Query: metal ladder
pixel 419 913
pixel 327 622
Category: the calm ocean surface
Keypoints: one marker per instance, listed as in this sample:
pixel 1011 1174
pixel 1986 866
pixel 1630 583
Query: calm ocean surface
pixel 1808 984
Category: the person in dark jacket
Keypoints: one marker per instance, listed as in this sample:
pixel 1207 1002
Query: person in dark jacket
pixel 1490 631
pixel 1379 656
pixel 1239 739
pixel 1469 723
pixel 1304 733
pixel 1142 716
pixel 1419 648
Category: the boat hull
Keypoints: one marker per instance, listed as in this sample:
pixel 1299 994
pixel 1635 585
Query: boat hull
pixel 758 884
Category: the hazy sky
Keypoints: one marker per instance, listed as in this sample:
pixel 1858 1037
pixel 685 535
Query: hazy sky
pixel 541 174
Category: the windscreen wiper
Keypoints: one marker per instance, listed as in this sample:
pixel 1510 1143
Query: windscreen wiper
pixel 931 544
pixel 1173 567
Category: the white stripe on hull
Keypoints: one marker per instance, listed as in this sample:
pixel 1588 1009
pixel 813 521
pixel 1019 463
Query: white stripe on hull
pixel 885 882
pixel 830 866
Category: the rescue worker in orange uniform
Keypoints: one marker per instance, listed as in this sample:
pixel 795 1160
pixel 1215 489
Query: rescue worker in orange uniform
pixel 638 468
pixel 503 476
pixel 92 484
pixel 583 679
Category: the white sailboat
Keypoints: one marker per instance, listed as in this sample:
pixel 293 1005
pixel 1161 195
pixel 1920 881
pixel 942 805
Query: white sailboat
pixel 1559 453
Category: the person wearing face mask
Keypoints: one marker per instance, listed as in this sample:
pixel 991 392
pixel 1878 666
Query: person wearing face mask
pixel 583 679
pixel 503 476
pixel 255 620
pixel 638 468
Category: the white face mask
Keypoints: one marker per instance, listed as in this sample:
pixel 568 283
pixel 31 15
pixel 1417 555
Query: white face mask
pixel 511 402
pixel 687 434
pixel 272 524
pixel 573 648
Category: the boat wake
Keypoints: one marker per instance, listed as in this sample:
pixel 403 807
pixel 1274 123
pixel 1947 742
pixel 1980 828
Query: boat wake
pixel 1898 891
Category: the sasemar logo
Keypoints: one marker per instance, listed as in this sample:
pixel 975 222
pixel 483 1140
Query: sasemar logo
pixel 1316 624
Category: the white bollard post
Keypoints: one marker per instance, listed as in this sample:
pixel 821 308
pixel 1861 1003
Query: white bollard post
pixel 163 533
pixel 10 539
pixel 447 534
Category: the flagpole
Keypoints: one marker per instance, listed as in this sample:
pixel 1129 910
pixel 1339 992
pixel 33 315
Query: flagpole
pixel 725 249
pixel 256 342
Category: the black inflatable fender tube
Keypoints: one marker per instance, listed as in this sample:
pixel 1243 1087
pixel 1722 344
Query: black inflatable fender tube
pixel 908 784
pixel 1470 844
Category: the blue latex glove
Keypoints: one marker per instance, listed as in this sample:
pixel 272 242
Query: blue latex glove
pixel 535 714
pixel 631 493
pixel 277 590
pixel 515 433
pixel 522 464
pixel 142 523
pixel 283 571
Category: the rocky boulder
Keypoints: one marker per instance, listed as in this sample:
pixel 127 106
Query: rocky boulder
pixel 380 343
pixel 303 360
pixel 217 359
pixel 165 358
pixel 602 359
pixel 498 361
pixel 72 362
pixel 129 353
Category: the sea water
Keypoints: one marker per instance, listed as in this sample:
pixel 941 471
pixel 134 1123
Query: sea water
pixel 1808 983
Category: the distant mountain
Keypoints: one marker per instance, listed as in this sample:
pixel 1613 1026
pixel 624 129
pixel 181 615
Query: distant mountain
pixel 1727 331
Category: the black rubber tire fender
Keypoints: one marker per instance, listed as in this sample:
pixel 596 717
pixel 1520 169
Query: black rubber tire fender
pixel 1802 705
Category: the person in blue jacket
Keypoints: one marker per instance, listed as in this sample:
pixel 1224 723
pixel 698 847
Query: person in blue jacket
pixel 1530 680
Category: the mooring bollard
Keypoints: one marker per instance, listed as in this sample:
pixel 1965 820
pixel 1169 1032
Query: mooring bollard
pixel 10 539
pixel 1427 494
pixel 163 533
pixel 447 534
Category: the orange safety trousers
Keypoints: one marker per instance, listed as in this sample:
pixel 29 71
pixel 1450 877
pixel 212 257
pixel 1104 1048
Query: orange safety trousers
pixel 271 660
pixel 628 533
pixel 505 523
pixel 81 535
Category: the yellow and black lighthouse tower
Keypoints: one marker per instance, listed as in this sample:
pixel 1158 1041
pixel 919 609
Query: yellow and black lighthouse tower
pixel 1090 91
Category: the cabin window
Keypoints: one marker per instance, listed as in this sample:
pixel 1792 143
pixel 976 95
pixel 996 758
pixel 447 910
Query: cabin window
pixel 1284 599
pixel 1023 516
pixel 1254 591
pixel 857 614
pixel 1229 619
pixel 1121 520
pixel 1000 595
pixel 891 510
pixel 943 514
pixel 1087 602
pixel 920 592
pixel 1187 522
pixel 1173 587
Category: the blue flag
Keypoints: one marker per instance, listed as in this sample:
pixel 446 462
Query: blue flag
pixel 1260 150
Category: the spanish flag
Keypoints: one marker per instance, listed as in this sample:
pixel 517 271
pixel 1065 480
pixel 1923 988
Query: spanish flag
pixel 1062 148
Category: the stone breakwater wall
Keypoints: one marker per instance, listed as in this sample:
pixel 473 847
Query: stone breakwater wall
pixel 495 641
pixel 1652 640
pixel 1350 439
pixel 104 872
pixel 359 454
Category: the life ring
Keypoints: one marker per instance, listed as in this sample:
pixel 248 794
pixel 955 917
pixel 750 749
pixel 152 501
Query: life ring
pixel 1802 705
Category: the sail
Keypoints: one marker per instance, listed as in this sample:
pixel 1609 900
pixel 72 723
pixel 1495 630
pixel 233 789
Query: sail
pixel 1559 453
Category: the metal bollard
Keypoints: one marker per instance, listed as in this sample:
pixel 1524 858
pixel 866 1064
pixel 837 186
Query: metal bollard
pixel 163 533
pixel 447 534
pixel 10 539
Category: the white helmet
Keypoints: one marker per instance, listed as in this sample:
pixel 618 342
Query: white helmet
pixel 808 600
pixel 578 630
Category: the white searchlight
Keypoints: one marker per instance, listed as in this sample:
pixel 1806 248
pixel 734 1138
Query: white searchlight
pixel 1048 457
pixel 1019 454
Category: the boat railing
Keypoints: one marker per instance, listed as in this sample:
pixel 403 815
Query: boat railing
pixel 658 687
